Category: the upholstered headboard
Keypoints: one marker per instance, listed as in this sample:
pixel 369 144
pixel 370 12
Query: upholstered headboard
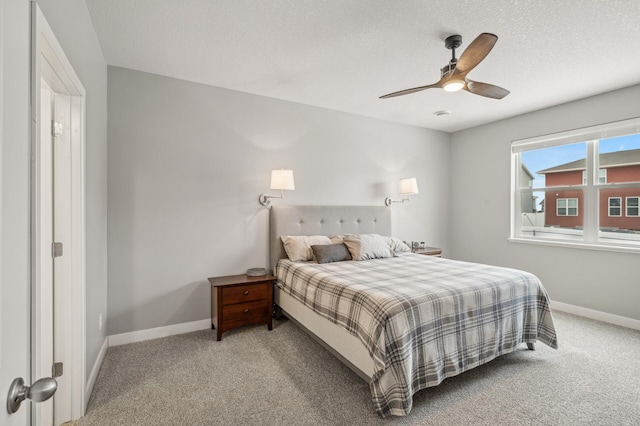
pixel 324 220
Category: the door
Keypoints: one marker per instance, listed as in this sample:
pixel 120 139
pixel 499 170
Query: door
pixel 52 217
pixel 59 228
pixel 15 309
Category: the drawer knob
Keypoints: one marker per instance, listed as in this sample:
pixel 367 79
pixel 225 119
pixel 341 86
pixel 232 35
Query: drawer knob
pixel 246 311
pixel 246 292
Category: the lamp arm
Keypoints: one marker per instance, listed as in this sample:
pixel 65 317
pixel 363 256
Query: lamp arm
pixel 264 198
pixel 388 201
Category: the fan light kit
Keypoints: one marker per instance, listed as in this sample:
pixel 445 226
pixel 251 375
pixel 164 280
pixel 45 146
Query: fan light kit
pixel 453 85
pixel 453 76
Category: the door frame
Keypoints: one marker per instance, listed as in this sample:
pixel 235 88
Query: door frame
pixel 51 64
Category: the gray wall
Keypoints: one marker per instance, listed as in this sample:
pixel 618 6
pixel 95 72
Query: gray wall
pixel 188 161
pixel 73 28
pixel 600 280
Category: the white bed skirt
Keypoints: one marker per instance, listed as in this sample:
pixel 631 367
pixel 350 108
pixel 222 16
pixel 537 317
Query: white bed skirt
pixel 349 348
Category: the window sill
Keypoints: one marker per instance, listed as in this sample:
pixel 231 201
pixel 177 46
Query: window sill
pixel 583 246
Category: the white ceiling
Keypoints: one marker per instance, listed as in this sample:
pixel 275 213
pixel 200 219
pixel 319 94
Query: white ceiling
pixel 344 54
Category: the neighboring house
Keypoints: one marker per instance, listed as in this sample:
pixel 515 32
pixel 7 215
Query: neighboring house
pixel 529 204
pixel 619 207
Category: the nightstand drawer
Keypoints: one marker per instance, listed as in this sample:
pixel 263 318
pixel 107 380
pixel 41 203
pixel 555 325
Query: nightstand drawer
pixel 245 312
pixel 245 293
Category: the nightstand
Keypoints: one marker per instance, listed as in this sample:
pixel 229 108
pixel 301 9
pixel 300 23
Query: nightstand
pixel 429 251
pixel 238 300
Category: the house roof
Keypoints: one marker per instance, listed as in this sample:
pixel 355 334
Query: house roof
pixel 607 160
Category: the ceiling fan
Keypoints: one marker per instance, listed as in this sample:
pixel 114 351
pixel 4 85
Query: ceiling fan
pixel 454 75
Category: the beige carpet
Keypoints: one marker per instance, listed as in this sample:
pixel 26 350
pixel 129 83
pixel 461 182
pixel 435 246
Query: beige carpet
pixel 283 377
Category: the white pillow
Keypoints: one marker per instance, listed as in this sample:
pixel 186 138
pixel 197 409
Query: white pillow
pixel 397 245
pixel 298 247
pixel 368 246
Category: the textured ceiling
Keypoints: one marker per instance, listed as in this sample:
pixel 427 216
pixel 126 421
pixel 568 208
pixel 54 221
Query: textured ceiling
pixel 344 54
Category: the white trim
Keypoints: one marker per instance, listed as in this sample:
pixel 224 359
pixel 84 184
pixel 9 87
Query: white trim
pixel 154 333
pixel 609 206
pixel 91 382
pixel 567 207
pixel 579 245
pixel 50 62
pixel 596 315
pixel 600 131
pixel 626 206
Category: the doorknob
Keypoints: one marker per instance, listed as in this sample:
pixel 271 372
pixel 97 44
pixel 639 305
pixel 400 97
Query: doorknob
pixel 40 391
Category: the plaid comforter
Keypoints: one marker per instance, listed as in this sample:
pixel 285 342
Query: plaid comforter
pixel 422 318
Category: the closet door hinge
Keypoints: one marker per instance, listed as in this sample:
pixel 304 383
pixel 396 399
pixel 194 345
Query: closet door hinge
pixel 56 128
pixel 56 249
pixel 57 370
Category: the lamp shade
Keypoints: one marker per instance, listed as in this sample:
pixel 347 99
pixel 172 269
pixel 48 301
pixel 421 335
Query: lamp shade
pixel 408 186
pixel 282 179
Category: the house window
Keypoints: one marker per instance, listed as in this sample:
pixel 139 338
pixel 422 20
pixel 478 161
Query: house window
pixel 602 176
pixel 615 206
pixel 589 180
pixel 632 206
pixel 567 207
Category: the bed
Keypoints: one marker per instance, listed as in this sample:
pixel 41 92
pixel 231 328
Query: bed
pixel 403 322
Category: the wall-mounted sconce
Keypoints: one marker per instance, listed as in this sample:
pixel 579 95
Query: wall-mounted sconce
pixel 408 187
pixel 280 179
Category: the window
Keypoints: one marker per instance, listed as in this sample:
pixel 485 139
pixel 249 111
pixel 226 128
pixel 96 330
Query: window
pixel 589 181
pixel 567 207
pixel 602 176
pixel 633 207
pixel 615 206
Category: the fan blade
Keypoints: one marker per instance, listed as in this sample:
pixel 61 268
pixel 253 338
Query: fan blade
pixel 485 89
pixel 475 53
pixel 414 90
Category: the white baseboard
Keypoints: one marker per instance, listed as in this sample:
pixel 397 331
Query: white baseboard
pixel 154 333
pixel 94 374
pixel 187 327
pixel 596 315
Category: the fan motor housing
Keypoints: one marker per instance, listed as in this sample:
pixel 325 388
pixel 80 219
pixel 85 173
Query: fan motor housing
pixel 452 43
pixel 448 68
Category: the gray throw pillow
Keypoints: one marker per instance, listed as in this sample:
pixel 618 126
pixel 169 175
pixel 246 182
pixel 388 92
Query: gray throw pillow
pixel 328 253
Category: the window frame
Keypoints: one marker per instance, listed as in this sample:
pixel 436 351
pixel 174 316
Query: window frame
pixel 591 236
pixel 637 206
